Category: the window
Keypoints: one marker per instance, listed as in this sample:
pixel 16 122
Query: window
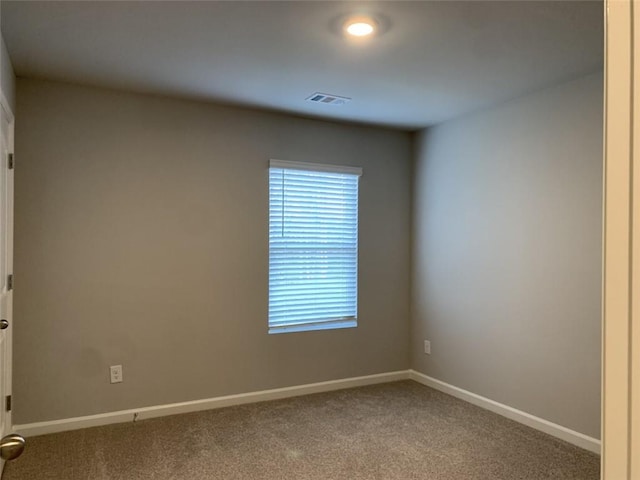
pixel 313 246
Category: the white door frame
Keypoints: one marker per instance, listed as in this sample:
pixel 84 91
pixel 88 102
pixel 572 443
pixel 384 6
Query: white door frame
pixel 621 279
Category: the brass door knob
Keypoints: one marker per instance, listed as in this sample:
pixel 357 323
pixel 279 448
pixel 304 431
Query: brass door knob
pixel 4 324
pixel 11 446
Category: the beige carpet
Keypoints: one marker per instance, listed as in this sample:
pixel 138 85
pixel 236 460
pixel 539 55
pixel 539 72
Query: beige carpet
pixel 399 430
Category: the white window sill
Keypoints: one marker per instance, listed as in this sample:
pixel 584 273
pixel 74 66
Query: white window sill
pixel 308 327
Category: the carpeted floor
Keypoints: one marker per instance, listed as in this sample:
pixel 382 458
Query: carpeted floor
pixel 399 430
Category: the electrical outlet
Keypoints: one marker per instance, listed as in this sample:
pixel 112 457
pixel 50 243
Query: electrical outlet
pixel 116 373
pixel 427 347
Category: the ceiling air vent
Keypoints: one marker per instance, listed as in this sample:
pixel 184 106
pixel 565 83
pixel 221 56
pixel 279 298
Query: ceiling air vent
pixel 327 99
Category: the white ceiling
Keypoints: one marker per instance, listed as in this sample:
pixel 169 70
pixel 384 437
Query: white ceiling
pixel 437 60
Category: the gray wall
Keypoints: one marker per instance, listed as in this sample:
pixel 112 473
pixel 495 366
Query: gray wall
pixel 507 253
pixel 7 77
pixel 142 240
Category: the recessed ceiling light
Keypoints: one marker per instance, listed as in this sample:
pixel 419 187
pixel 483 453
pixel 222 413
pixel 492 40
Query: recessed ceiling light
pixel 360 26
pixel 360 29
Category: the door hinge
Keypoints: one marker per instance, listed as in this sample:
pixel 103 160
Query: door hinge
pixel 10 282
pixel 7 403
pixel 10 161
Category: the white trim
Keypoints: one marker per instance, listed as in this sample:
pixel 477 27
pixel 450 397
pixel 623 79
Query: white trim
pixel 316 167
pixel 576 438
pixel 122 416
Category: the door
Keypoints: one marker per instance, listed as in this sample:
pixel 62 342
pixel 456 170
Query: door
pixel 6 196
pixel 10 445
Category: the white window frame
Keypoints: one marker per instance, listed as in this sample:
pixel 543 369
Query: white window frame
pixel 329 323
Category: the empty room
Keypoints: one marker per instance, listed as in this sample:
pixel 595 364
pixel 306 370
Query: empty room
pixel 302 240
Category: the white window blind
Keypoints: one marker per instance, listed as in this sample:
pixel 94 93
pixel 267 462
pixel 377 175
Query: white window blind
pixel 313 246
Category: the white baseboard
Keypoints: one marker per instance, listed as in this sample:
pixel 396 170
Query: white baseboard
pixel 558 431
pixel 122 416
